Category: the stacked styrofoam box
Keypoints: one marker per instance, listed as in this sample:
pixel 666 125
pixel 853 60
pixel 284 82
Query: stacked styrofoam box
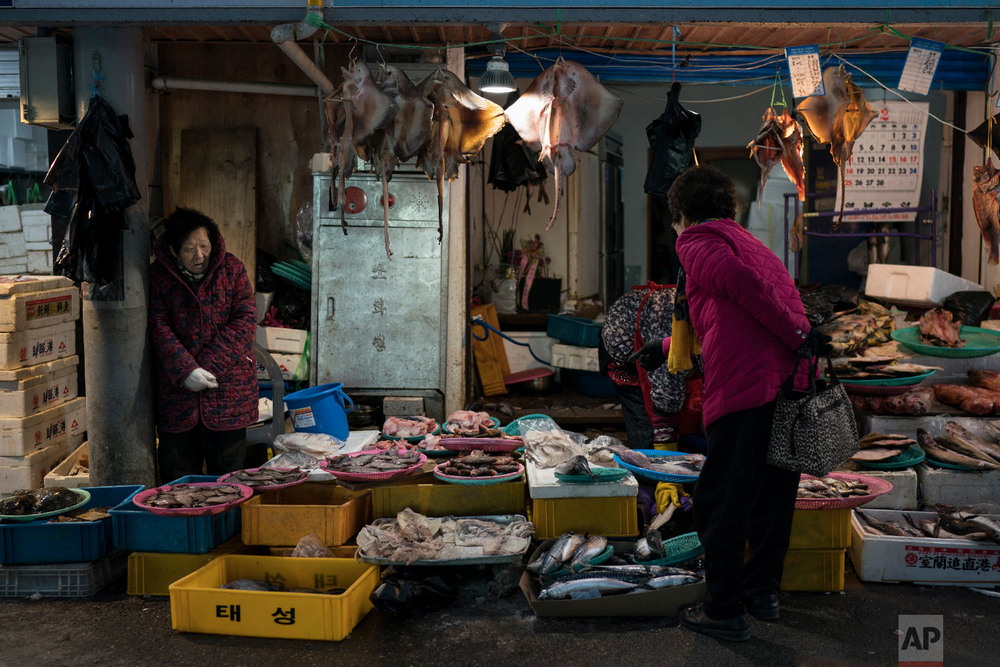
pixel 575 357
pixel 13 252
pixel 37 226
pixel 41 420
pixel 287 347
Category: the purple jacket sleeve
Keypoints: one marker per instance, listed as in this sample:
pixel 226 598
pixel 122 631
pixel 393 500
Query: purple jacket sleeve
pixel 235 338
pixel 177 361
pixel 712 265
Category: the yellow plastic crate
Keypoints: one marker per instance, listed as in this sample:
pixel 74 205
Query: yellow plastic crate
pixel 346 551
pixel 609 516
pixel 819 570
pixel 283 517
pixel 821 529
pixel 443 499
pixel 151 573
pixel 197 604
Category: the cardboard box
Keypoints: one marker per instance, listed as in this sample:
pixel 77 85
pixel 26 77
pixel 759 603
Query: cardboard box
pixel 28 472
pixel 914 285
pixel 291 365
pixel 20 436
pixel 36 346
pixel 27 391
pixel 662 602
pixel 921 560
pixel 279 339
pixel 61 475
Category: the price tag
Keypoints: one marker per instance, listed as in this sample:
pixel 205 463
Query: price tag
pixel 921 63
pixel 803 66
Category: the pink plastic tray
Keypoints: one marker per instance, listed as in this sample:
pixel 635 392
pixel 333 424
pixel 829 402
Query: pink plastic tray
pixel 268 487
pixel 476 481
pixel 374 476
pixel 484 444
pixel 877 487
pixel 138 499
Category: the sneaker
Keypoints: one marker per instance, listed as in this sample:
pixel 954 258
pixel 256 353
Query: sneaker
pixel 736 629
pixel 762 607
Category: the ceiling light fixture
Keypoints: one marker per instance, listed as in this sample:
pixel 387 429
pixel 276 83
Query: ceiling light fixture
pixel 497 77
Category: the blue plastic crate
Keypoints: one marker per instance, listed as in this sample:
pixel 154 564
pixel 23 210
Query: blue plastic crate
pixel 591 383
pixel 49 541
pixel 62 580
pixel 574 330
pixel 136 529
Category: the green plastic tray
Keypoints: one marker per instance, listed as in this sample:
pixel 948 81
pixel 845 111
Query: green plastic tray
pixel 603 475
pixel 513 428
pixel 893 382
pixel 907 458
pixel 954 466
pixel 678 549
pixel 978 343
pixel 84 497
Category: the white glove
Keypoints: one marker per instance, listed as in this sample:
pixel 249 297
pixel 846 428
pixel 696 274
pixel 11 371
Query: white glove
pixel 199 380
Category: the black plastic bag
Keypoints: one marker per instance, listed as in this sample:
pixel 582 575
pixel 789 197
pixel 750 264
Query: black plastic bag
pixel 672 137
pixel 981 137
pixel 405 592
pixel 970 308
pixel 513 164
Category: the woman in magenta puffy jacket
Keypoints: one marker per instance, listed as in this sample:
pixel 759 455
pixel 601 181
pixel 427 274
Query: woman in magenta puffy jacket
pixel 750 322
pixel 203 318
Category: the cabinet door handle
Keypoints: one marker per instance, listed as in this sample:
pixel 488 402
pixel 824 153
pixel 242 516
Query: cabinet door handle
pixel 330 308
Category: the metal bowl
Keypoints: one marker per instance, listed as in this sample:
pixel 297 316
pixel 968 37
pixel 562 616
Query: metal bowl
pixel 361 415
pixel 539 385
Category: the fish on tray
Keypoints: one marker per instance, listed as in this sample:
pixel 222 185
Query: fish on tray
pixel 605 581
pixel 24 502
pixel 956 451
pixel 189 496
pixel 373 463
pixel 265 476
pixel 578 465
pixel 480 464
pixel 570 551
pixel 408 427
pixel 472 424
pixel 831 487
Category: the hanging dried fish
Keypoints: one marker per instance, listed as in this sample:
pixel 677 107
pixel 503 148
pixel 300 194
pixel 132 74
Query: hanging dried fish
pixel 401 138
pixel 985 195
pixel 839 118
pixel 791 155
pixel 766 149
pixel 564 109
pixel 461 124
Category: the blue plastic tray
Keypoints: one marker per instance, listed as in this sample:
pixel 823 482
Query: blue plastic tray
pixel 136 529
pixel 46 541
pixel 652 474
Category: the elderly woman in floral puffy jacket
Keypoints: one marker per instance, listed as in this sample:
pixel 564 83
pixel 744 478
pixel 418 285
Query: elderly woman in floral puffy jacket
pixel 202 321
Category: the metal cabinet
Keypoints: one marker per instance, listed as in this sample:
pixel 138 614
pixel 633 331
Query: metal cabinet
pixel 378 324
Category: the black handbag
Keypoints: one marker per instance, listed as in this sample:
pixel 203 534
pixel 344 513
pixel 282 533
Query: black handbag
pixel 813 431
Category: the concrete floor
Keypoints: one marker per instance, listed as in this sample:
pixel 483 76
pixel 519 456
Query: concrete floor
pixel 856 627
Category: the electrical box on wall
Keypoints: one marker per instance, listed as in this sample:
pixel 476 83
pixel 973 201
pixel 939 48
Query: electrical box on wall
pixel 47 98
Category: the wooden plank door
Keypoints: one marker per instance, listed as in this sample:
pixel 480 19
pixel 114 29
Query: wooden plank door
pixel 218 170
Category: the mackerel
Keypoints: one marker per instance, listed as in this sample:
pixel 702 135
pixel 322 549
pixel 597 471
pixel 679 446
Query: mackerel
pixel 582 589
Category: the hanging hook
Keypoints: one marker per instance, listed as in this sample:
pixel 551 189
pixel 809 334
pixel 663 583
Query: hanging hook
pixel 381 56
pixel 350 54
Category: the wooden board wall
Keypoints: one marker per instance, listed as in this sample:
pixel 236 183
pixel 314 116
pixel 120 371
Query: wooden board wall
pixel 218 178
pixel 288 128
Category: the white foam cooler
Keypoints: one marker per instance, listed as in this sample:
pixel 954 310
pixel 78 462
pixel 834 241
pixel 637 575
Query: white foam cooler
pixel 28 472
pixel 914 285
pixel 24 304
pixel 22 435
pixel 976 489
pixel 26 391
pixel 542 483
pixel 37 346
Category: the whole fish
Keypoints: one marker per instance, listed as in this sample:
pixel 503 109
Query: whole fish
pixel 569 547
pixel 550 560
pixel 767 148
pixel 879 527
pixel 651 546
pixel 594 546
pixel 964 448
pixel 939 452
pixel 958 432
pixel 791 154
pixel 584 589
pixel 578 465
pixel 672 580
pixel 985 194
pixel 638 569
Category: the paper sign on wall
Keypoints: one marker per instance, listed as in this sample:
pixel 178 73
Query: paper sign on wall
pixel 803 66
pixel 921 63
pixel 886 168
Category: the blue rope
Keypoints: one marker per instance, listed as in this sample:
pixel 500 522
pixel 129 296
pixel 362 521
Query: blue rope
pixel 490 328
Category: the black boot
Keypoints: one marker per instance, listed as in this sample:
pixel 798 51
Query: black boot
pixel 736 629
pixel 762 607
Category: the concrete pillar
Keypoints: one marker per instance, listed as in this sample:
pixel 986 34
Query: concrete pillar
pixel 117 351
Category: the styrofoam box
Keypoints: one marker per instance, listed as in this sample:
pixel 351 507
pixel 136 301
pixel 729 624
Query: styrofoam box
pixel 289 365
pixel 933 424
pixel 542 483
pixel 36 231
pixel 518 356
pixel 20 436
pixel 10 218
pixel 39 262
pixel 922 560
pixel 914 285
pixel 978 489
pixel 904 490
pixel 34 310
pixel 30 390
pixel 263 303
pixel 59 475
pixel 575 357
pixel 12 244
pixel 278 339
pixel 28 472
pixel 36 346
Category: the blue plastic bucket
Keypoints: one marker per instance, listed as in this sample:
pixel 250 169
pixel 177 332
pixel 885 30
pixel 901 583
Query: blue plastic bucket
pixel 320 409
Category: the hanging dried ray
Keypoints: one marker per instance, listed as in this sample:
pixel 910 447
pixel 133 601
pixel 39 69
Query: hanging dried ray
pixel 461 124
pixel 986 204
pixel 791 156
pixel 839 117
pixel 359 109
pixel 564 109
pixel 767 148
pixel 401 137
